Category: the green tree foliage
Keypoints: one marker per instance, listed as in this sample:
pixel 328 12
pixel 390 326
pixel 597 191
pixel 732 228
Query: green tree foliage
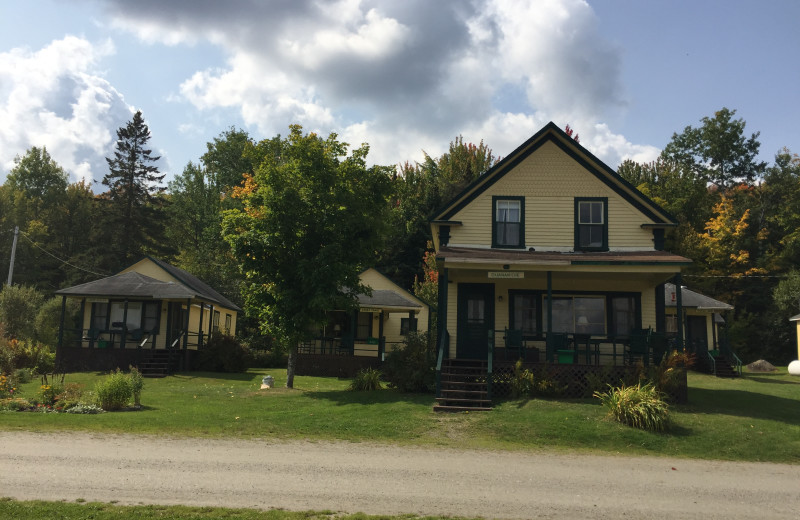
pixel 718 151
pixel 420 190
pixel 37 178
pixel 18 308
pixel 311 222
pixel 134 222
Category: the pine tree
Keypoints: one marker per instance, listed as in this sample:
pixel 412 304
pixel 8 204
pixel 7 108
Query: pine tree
pixel 135 225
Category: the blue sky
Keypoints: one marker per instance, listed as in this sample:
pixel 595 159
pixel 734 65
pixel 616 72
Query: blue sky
pixel 403 76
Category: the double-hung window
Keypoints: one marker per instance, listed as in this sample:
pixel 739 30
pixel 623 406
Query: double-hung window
pixel 591 224
pixel 508 222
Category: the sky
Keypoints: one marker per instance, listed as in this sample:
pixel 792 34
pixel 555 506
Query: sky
pixel 406 77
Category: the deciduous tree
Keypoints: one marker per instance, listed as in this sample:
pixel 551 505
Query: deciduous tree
pixel 311 221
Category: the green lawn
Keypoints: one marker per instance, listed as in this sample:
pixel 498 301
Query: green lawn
pixel 756 417
pixel 36 510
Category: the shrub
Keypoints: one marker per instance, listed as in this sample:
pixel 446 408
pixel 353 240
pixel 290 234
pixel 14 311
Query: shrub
pixel 275 358
pixel 15 354
pixel 222 353
pixel 15 404
pixel 18 305
pixel 639 406
pixel 114 392
pixel 412 368
pixel 137 383
pixel 523 383
pixel 8 385
pixel 367 380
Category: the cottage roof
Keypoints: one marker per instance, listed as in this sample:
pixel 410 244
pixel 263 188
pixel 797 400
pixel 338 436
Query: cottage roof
pixel 694 299
pixel 795 318
pixel 136 285
pixel 387 300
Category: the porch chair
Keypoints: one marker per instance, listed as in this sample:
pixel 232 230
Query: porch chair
pixel 346 346
pixel 514 343
pixel 639 346
pixel 558 344
pixel 659 346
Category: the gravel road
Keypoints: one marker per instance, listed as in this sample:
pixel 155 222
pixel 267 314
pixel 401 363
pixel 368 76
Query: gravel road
pixel 378 479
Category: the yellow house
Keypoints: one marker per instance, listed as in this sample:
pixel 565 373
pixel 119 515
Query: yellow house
pixel 150 305
pixel 551 256
pixel 381 324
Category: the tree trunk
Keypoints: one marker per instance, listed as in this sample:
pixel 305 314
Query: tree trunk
pixel 291 364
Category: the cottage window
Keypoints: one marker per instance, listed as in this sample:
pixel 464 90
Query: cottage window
pixel 591 224
pixel 407 325
pixel 100 315
pixel 364 326
pixel 215 322
pixel 228 323
pixel 579 314
pixel 508 228
pixel 524 313
pixel 623 315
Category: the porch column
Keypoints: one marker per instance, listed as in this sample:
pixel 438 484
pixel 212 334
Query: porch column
pixel 186 324
pixel 381 342
pixel 548 339
pixel 211 320
pixel 678 280
pixel 59 352
pixel 200 328
pixel 714 345
pixel 82 315
pixel 441 311
pixel 168 337
pixel 661 309
pixel 124 337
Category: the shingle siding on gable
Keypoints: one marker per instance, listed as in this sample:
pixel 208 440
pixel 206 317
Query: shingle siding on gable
pixel 550 180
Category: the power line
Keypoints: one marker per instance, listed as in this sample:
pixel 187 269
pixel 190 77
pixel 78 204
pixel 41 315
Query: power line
pixel 24 234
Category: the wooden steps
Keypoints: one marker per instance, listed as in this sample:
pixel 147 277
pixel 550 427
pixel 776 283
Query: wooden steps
pixel 723 368
pixel 156 363
pixel 464 387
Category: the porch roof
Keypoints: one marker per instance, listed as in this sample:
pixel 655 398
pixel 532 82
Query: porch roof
pixel 694 300
pixel 465 255
pixel 388 300
pixel 135 285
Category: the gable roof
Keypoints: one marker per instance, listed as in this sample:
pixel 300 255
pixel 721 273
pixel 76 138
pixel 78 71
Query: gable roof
pixel 194 283
pixel 552 133
pixel 386 299
pixel 136 285
pixel 694 300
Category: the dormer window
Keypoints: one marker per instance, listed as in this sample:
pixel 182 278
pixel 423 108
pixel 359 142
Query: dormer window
pixel 508 225
pixel 591 224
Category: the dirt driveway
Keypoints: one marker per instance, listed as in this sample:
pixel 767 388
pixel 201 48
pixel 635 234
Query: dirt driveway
pixel 378 479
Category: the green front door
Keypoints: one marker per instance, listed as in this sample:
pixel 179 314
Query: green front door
pixel 475 319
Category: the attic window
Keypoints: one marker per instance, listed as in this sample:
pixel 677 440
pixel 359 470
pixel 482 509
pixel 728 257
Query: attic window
pixel 591 224
pixel 508 222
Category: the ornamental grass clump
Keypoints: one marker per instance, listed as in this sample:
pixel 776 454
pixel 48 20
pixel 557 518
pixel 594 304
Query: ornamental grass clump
pixel 366 380
pixel 114 392
pixel 640 406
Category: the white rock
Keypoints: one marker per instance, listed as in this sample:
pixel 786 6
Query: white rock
pixel 794 367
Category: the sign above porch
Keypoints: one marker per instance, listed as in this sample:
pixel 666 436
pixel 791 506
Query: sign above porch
pixel 506 274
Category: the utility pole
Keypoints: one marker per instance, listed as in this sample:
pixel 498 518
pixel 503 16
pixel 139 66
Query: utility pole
pixel 13 254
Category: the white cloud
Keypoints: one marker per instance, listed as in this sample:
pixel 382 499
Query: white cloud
pixel 52 97
pixel 404 76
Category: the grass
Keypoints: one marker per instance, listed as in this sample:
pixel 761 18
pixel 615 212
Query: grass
pixel 35 510
pixel 753 418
